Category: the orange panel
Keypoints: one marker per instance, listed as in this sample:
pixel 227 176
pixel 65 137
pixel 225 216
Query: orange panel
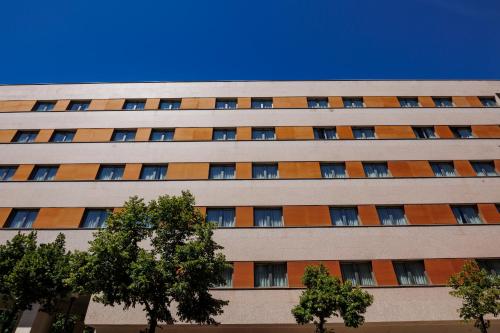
pixel 23 172
pixel 4 215
pixel 384 273
pixel 243 274
pixel 394 132
pixel 466 101
pixel 244 103
pixel 152 104
pixel 202 210
pixel 486 131
pixel 93 135
pixel 193 134
pixel 489 213
pixel 429 214
pixel 198 103
pixel 381 101
pixel 6 136
pixel 474 101
pixel 497 165
pixel 143 134
pixel 106 104
pixel 289 102
pixel 187 171
pixel 244 216
pixel 426 101
pixel 335 102
pixel 399 168
pixel 301 216
pixel 439 271
pixel 58 218
pixel 294 133
pixel 16 106
pixel 132 171
pixel 444 132
pixel 77 172
pixel 464 168
pixel 410 168
pixel 299 170
pixel 345 132
pixel 368 215
pixel 44 135
pixel 243 133
pixel 354 169
pixel 244 170
pixel 61 105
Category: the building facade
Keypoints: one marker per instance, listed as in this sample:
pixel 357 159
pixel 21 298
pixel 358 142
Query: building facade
pixel 390 184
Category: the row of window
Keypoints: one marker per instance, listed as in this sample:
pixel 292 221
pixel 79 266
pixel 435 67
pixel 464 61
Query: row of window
pixel 261 103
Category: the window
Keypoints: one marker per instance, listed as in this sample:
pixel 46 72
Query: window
pixel 424 132
pixel 325 133
pixel 226 104
pixel 443 102
pixel 364 133
pixel 170 104
pixel 344 216
pixel 485 168
pixel 153 172
pixel 224 134
pixel 264 171
pixel 22 218
pixel 263 134
pixel 488 101
pixel 359 273
pixel 25 136
pixel 222 171
pixel 353 102
pixel 333 170
pixel 134 105
pixel 410 273
pixel 62 136
pixel 6 172
pixel 123 135
pixel 262 103
pixel 44 106
pixel 466 215
pixel 463 132
pixel 110 172
pixel 94 218
pixel 227 276
pixel 443 169
pixel 492 266
pixel 79 106
pixel 270 275
pixel 267 217
pixel 162 135
pixel 43 173
pixel 391 215
pixel 376 170
pixel 408 102
pixel 317 103
pixel 222 217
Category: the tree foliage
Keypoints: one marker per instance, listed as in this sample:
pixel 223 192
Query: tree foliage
pixel 326 296
pixel 480 293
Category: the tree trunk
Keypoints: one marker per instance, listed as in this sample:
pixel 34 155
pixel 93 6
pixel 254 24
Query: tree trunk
pixel 483 327
pixel 153 322
pixel 321 326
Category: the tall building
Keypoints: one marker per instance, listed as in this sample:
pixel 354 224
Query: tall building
pixel 390 184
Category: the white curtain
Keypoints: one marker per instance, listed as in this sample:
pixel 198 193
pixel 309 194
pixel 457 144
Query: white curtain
pixel 464 132
pixel 364 133
pixel 26 137
pixel 265 171
pixel 263 134
pixel 333 171
pixel 222 172
pixel 325 134
pixel 268 217
pixel 358 273
pixel 466 215
pixel 95 218
pixel 155 172
pixel 111 173
pixel 270 275
pixel 223 217
pixel 376 170
pixel 228 278
pixel 443 169
pixel 484 169
pixel 223 135
pixel 45 173
pixel 162 135
pixel 410 273
pixel 344 216
pixel 6 173
pixel 23 219
pixel 391 216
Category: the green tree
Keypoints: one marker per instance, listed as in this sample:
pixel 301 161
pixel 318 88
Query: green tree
pixel 153 255
pixel 327 296
pixel 480 293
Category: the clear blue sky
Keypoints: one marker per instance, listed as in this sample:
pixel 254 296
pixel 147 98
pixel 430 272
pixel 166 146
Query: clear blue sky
pixel 193 40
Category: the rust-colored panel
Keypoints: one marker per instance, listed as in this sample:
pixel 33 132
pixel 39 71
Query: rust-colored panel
pixel 429 214
pixel 4 215
pixel 335 102
pixel 486 131
pixel 394 132
pixel 198 103
pixel 192 134
pixel 354 169
pixel 474 101
pixel 187 171
pixel 244 103
pixel 294 133
pixel 466 101
pixel 464 168
pixel 106 104
pixel 6 136
pixel 410 169
pixel 426 101
pixel 497 165
pixel 44 135
pixel 23 172
pixel 301 216
pixel 58 218
pixel 152 104
pixel 202 210
pixel 443 132
pixel 296 270
pixel 439 271
pixel 289 102
pixel 143 134
pixel 243 274
pixel 243 133
pixel 132 171
pixel 399 168
pixel 299 170
pixel 489 213
pixel 77 171
pixel 244 170
pixel 381 101
pixel 384 273
pixel 93 135
pixel 61 105
pixel 345 132
pixel 368 215
pixel 244 216
pixel 16 106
